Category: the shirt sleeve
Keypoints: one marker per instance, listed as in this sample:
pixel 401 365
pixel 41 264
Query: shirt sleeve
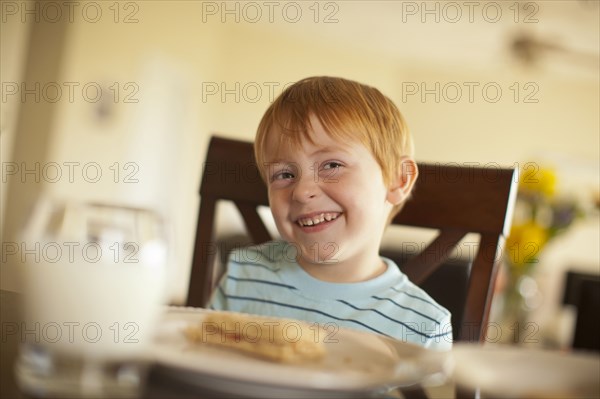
pixel 218 299
pixel 442 339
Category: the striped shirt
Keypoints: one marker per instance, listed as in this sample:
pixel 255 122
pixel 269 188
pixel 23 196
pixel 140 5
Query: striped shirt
pixel 266 280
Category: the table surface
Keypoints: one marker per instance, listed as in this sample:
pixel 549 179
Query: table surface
pixel 159 386
pixel 509 365
pixel 158 383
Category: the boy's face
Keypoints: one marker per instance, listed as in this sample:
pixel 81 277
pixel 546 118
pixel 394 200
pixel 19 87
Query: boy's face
pixel 329 200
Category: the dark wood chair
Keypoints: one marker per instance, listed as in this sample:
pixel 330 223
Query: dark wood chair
pixel 452 199
pixel 582 290
pixel 453 273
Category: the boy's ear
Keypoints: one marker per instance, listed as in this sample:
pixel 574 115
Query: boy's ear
pixel 401 187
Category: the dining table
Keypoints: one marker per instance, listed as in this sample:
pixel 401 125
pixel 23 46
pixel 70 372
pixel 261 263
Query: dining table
pixel 160 381
pixel 491 372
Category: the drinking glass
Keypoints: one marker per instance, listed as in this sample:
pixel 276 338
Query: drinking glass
pixel 94 282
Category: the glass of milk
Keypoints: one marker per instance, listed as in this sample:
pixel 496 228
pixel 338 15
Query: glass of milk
pixel 94 282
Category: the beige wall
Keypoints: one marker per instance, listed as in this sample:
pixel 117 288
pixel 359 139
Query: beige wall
pixel 170 56
pixel 27 126
pixel 13 45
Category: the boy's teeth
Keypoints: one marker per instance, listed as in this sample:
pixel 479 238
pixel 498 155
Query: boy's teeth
pixel 317 219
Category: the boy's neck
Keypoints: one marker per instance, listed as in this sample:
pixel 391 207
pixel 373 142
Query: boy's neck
pixel 349 271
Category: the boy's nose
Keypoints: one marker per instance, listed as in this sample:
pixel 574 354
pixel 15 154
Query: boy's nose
pixel 306 189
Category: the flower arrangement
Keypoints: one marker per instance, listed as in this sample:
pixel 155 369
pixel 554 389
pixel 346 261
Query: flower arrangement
pixel 540 216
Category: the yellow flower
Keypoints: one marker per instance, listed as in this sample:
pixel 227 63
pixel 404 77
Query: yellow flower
pixel 542 180
pixel 525 242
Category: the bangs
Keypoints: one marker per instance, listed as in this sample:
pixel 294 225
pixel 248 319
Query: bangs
pixel 347 110
pixel 287 121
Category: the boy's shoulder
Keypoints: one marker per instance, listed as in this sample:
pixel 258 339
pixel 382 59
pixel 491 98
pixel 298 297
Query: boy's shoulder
pixel 410 295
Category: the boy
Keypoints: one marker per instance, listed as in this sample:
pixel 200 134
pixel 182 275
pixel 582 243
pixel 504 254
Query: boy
pixel 336 158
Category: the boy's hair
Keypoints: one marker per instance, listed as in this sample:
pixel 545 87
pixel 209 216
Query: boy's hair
pixel 348 110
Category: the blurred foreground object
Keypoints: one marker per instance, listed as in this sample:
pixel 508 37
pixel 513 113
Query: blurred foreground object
pixel 94 279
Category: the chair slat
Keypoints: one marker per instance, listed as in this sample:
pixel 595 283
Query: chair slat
pixel 422 265
pixel 474 199
pixel 254 223
pixel 230 173
pixel 481 288
pixel 204 254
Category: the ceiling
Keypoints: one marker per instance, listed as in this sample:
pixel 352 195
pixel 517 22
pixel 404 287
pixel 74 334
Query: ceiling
pixel 562 35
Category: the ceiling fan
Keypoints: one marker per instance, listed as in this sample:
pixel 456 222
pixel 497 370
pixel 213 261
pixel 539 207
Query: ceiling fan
pixel 531 51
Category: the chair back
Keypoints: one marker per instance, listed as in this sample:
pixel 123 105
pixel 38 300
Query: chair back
pixel 455 200
pixel 582 290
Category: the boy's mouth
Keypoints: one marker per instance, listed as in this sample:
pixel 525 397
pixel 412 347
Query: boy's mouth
pixel 317 219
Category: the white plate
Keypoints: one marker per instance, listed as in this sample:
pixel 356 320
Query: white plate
pixel 512 372
pixel 355 363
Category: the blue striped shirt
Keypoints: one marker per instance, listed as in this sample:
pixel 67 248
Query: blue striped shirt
pixel 266 280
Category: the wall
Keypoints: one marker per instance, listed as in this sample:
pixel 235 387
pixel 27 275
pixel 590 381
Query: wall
pixel 170 60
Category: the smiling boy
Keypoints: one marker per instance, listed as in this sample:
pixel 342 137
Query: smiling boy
pixel 337 160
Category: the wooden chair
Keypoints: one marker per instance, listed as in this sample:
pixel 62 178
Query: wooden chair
pixel 452 199
pixel 582 290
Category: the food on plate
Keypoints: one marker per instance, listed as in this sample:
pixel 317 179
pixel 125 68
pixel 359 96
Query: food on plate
pixel 282 340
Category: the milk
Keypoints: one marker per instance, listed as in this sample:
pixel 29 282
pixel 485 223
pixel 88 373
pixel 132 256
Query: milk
pixel 104 310
pixel 94 279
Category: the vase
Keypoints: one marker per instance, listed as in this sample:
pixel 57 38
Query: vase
pixel 521 297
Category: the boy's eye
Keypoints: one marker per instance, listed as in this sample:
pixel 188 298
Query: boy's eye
pixel 285 175
pixel 332 165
